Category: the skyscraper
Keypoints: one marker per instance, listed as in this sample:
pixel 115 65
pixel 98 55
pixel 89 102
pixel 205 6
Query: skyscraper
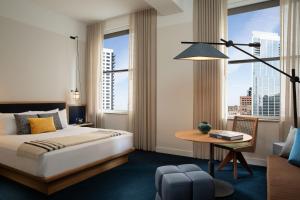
pixel 108 64
pixel 266 81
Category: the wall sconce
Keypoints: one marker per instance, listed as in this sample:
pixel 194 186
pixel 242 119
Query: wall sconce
pixel 75 94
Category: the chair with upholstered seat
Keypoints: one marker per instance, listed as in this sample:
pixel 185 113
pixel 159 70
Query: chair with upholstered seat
pixel 246 125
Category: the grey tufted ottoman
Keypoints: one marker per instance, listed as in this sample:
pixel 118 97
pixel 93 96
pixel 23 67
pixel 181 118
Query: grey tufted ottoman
pixel 183 182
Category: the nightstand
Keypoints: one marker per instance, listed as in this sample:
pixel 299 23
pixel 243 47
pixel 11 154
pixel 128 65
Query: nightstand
pixel 86 124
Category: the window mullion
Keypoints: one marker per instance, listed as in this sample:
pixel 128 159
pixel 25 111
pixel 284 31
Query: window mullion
pixel 252 60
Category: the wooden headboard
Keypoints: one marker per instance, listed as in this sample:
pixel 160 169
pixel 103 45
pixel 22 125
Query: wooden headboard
pixel 34 106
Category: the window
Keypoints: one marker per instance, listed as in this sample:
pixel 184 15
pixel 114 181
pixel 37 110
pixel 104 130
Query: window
pixel 252 87
pixel 115 72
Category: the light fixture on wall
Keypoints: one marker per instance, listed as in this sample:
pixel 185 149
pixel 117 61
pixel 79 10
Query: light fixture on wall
pixel 75 93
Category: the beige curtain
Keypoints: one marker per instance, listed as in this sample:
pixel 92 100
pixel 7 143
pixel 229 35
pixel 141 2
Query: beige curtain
pixel 94 73
pixel 142 101
pixel 290 58
pixel 210 25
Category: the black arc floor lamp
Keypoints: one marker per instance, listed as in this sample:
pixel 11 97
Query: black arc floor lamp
pixel 205 51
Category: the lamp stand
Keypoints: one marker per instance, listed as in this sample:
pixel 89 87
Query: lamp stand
pixel 204 51
pixel 293 80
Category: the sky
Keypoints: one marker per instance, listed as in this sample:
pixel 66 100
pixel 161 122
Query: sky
pixel 120 45
pixel 240 29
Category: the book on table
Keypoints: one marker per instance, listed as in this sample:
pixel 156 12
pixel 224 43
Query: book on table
pixel 227 135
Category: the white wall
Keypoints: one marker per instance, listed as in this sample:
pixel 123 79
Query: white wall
pixel 174 82
pixel 37 57
pixel 25 11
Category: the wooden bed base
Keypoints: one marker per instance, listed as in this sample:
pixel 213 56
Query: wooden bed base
pixel 58 182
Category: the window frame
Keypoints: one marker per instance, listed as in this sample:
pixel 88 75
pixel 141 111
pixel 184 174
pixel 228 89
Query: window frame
pixel 107 36
pixel 250 8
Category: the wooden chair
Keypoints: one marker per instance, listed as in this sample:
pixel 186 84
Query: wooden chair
pixel 246 125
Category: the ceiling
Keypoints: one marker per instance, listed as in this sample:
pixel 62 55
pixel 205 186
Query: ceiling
pixel 92 10
pixel 89 11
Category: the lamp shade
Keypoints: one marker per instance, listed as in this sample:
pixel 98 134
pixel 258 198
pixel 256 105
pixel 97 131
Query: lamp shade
pixel 201 51
pixel 75 94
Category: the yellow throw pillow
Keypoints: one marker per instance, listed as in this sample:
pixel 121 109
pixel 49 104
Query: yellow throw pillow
pixel 41 125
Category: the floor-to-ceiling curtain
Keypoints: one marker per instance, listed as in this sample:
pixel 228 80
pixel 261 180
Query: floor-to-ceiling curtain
pixel 210 25
pixel 289 59
pixel 94 73
pixel 142 75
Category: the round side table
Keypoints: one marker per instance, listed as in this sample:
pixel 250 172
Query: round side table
pixel 222 188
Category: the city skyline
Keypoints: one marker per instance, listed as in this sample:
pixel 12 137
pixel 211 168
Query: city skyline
pixel 263 98
pixel 240 28
pixel 266 81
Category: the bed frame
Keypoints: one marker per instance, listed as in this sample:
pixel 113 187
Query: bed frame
pixel 50 185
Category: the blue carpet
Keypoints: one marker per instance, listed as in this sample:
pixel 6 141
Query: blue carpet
pixel 135 181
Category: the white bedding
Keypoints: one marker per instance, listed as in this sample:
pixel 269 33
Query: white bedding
pixel 56 162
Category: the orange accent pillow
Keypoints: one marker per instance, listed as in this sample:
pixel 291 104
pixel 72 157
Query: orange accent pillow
pixel 41 125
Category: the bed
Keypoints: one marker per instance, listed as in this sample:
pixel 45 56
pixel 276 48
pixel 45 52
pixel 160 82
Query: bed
pixel 58 169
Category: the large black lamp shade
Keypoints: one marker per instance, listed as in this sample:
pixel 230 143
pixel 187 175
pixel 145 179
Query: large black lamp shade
pixel 201 51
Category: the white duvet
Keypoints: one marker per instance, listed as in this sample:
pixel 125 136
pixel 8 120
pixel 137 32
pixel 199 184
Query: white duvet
pixel 56 162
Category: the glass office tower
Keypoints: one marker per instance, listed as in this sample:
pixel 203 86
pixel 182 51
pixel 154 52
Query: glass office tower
pixel 266 81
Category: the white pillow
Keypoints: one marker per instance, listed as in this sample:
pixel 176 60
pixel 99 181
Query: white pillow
pixel 8 124
pixel 285 152
pixel 63 118
pixel 44 112
pixel 62 115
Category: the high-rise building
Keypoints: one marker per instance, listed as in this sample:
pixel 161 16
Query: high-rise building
pixel 108 64
pixel 233 110
pixel 266 81
pixel 249 91
pixel 246 103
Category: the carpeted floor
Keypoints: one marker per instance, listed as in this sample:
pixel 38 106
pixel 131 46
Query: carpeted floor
pixel 135 181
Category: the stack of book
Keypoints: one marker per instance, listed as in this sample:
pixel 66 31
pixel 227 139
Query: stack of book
pixel 227 135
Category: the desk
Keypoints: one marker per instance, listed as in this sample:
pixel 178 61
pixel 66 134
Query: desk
pixel 222 188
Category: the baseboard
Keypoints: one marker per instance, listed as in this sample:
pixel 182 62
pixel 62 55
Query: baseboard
pixel 180 152
pixel 256 161
pixel 174 151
